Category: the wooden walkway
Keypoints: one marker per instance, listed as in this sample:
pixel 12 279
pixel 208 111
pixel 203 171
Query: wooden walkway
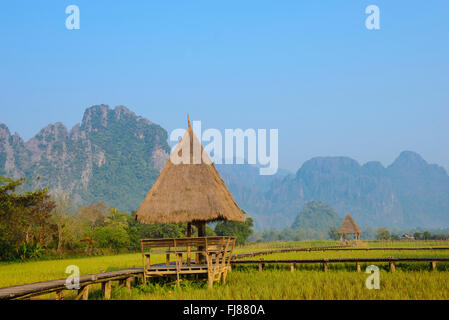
pixel 392 262
pixel 40 288
pixel 331 248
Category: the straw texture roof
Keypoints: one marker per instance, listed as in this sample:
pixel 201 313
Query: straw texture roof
pixel 349 226
pixel 190 191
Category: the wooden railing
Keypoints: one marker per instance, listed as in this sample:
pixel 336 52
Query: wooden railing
pixel 392 262
pixel 213 256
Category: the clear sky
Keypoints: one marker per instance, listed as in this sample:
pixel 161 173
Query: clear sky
pixel 308 68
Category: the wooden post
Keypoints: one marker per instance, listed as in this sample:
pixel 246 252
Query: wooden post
pixel 325 266
pixel 128 284
pixel 201 233
pixel 107 289
pixel 60 295
pixel 189 230
pixel 357 264
pixel 392 266
pixel 433 264
pixel 86 293
pixel 292 267
pixel 261 265
pixel 189 235
pixel 83 293
pixel 167 259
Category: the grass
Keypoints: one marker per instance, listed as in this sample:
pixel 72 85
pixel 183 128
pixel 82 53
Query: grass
pixel 285 285
pixel 410 281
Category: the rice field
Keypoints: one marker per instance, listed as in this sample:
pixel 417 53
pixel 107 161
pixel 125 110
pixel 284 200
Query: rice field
pixel 410 281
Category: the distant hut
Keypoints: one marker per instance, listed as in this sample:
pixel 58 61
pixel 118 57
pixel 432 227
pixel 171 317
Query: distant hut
pixel 349 226
pixel 189 192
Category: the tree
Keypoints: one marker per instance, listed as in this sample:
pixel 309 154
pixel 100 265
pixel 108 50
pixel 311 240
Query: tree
pixel 427 235
pixel 24 218
pixel 114 233
pixel 316 216
pixel 333 233
pixel 383 234
pixel 418 236
pixel 94 214
pixel 61 219
pixel 395 237
pixel 240 230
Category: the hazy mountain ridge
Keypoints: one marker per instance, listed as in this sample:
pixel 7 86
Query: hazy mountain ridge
pixel 115 156
pixel 408 193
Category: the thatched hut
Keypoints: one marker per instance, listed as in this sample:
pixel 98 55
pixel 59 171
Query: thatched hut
pixel 189 192
pixel 349 226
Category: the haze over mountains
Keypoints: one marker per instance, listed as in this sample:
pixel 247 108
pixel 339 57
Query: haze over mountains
pixel 115 156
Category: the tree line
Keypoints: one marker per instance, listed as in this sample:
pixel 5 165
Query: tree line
pixel 36 224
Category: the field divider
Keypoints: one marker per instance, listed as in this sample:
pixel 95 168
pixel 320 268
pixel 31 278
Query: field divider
pixel 331 248
pixel 325 262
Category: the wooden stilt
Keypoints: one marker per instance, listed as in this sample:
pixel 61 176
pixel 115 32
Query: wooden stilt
pixel 60 295
pixel 83 293
pixel 359 269
pixel 201 226
pixel 107 289
pixel 167 259
pixel 189 230
pixel 189 235
pixel 392 266
pixel 261 265
pixel 292 267
pixel 433 265
pixel 128 284
pixel 325 266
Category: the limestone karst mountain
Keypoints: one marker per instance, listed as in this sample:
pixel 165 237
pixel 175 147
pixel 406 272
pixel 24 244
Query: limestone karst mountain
pixel 115 156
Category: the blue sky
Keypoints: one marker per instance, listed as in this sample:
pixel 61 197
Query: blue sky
pixel 308 68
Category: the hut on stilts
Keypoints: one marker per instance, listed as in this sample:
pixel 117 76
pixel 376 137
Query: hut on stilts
pixel 189 190
pixel 349 226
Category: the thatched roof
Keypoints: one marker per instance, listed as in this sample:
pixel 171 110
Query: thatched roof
pixel 349 226
pixel 189 191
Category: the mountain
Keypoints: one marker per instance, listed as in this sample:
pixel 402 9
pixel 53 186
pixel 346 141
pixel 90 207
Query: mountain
pixel 408 193
pixel 115 156
pixel 112 156
pixel 317 216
